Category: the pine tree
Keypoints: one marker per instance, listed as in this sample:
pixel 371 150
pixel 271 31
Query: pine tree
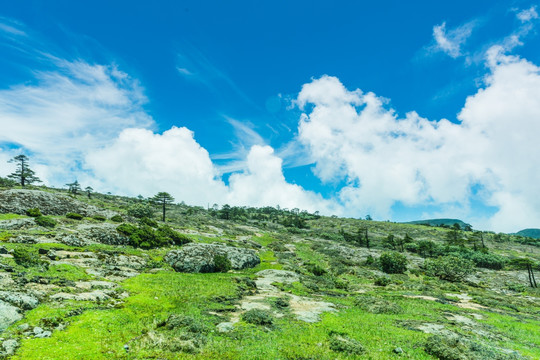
pixel 23 174
pixel 163 199
pixel 74 187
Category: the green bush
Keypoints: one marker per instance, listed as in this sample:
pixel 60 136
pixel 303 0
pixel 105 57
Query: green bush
pixel 150 222
pixel 382 281
pixel 175 237
pixel 117 218
pixel 393 262
pixel 258 317
pixel 74 216
pixel 451 268
pixel 46 221
pixel 145 237
pixel 126 229
pixel 140 211
pixel 99 217
pixel 483 259
pixel 26 258
pixel 34 212
pixel 222 263
pixel 316 269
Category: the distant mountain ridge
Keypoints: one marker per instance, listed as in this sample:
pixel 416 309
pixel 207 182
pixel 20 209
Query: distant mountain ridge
pixel 532 233
pixel 441 222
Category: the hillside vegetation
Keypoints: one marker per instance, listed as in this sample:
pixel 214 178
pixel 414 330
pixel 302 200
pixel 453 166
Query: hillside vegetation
pixel 102 277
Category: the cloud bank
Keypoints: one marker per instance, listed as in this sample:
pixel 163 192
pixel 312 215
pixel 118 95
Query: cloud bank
pixel 385 159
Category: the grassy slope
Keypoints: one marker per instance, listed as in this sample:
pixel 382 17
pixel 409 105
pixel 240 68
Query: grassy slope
pixel 96 331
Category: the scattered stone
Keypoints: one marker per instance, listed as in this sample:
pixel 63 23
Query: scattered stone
pixel 225 327
pixel 398 350
pixel 269 276
pixel 24 239
pixel 73 240
pixel 199 257
pixel 97 295
pixel 10 346
pixel 44 334
pixel 37 330
pixel 23 327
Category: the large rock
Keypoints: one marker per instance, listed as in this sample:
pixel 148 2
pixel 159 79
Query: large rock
pixel 17 224
pixel 21 300
pixel 199 258
pixel 19 200
pixel 8 315
pixel 103 233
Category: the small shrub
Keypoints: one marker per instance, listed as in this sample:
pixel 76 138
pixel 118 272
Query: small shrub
pixel 282 302
pixel 411 247
pixel 99 217
pixel 370 260
pixel 117 218
pixel 26 258
pixel 74 216
pixel 34 212
pixel 377 305
pixel 343 343
pixel 451 268
pixel 316 269
pixel 258 317
pixel 445 348
pixel 46 221
pixel 382 281
pixel 186 323
pixel 140 211
pixel 222 263
pixel 393 263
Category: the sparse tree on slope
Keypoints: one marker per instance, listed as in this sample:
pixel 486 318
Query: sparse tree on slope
pixel 89 191
pixel 74 187
pixel 163 199
pixel 23 174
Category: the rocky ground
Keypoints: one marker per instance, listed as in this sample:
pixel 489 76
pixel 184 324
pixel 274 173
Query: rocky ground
pixel 83 265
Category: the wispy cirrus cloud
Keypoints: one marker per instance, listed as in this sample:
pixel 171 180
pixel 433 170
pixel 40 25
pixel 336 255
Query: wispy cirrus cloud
pixel 451 41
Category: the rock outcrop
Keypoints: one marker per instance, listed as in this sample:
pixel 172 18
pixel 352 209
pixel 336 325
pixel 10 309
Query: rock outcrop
pixel 17 201
pixel 199 258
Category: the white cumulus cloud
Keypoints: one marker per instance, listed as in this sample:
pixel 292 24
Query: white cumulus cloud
pixel 355 136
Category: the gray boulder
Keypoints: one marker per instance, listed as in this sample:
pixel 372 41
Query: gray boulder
pixel 73 240
pixel 10 346
pixel 199 258
pixel 19 200
pixel 23 301
pixel 105 234
pixel 17 224
pixel 8 315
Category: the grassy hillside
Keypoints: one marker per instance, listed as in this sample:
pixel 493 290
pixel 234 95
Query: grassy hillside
pixel 341 289
pixel 442 223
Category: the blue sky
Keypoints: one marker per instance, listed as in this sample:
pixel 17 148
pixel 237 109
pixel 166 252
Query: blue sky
pixel 401 110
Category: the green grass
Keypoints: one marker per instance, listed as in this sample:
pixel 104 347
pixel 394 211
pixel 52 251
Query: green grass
pixel 11 216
